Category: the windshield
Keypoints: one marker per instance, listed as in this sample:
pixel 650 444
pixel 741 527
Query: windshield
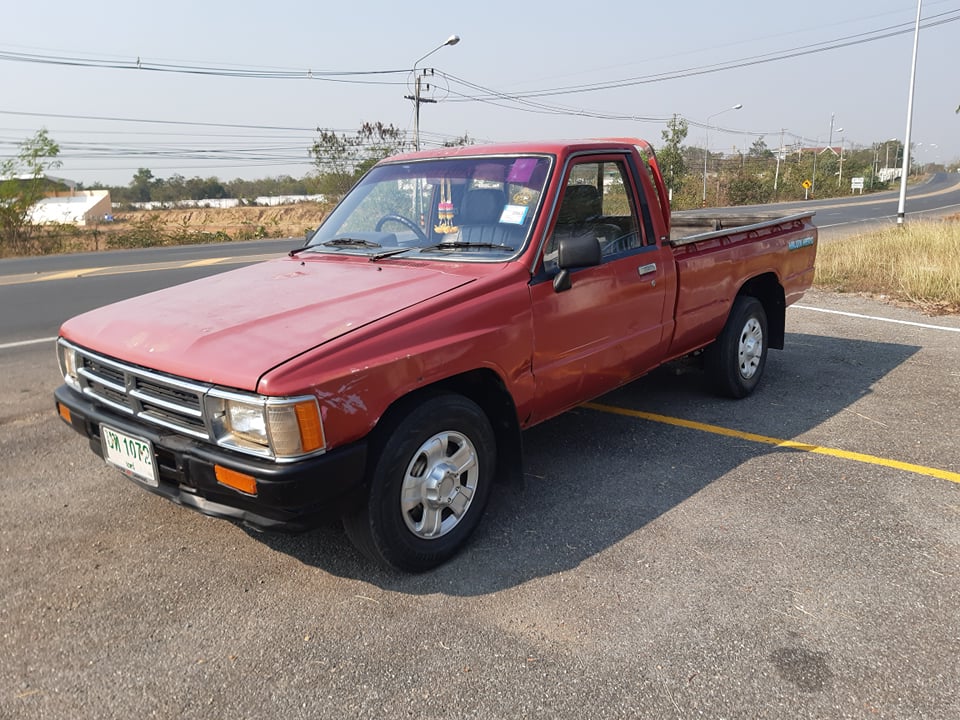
pixel 478 208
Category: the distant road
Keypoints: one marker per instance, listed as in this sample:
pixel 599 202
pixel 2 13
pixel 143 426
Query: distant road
pixel 939 195
pixel 181 254
pixel 37 294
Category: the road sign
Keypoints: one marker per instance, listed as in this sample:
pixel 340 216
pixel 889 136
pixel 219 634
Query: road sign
pixel 806 184
pixel 856 183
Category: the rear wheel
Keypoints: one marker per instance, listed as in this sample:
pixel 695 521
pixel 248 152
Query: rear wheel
pixel 427 485
pixel 736 360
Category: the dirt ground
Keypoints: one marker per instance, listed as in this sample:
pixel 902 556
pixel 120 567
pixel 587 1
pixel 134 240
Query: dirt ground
pixel 238 223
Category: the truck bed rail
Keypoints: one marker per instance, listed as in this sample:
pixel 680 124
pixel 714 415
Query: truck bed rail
pixel 754 222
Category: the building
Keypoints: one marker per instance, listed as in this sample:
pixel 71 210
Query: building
pixel 75 207
pixel 69 207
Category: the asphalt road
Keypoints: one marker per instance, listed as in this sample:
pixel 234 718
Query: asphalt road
pixel 936 196
pixel 38 294
pixel 668 555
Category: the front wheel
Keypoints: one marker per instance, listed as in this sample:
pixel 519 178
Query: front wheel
pixel 427 485
pixel 735 361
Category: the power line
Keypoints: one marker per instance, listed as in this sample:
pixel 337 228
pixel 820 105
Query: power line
pixel 356 76
pixel 154 121
pixel 814 48
pixel 528 101
pixel 144 65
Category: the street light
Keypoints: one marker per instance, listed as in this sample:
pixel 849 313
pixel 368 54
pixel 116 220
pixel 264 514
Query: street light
pixel 417 100
pixel 886 147
pixel 902 204
pixel 840 174
pixel 706 149
pixel 920 162
pixel 813 185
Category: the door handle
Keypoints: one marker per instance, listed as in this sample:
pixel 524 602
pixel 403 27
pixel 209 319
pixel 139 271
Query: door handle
pixel 647 269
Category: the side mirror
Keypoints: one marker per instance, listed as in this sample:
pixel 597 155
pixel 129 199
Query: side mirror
pixel 575 252
pixel 578 251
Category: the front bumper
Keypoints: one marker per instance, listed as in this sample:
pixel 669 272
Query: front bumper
pixel 290 496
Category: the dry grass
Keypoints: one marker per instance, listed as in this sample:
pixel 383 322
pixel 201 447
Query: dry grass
pixel 918 263
pixel 154 228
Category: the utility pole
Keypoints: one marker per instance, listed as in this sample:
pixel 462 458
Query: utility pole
pixel 419 100
pixel 816 153
pixel 776 175
pixel 829 145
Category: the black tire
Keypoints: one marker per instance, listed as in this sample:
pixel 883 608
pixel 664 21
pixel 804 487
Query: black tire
pixel 735 361
pixel 428 482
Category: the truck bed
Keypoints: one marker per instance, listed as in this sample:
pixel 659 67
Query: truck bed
pixel 691 226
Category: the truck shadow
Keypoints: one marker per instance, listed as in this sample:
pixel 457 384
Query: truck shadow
pixel 593 478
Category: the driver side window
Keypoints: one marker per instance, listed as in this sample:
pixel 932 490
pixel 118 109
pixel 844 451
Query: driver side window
pixel 597 201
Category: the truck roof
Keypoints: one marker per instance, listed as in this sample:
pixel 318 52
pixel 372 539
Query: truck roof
pixel 551 147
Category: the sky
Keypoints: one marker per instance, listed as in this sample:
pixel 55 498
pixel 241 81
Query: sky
pixel 238 90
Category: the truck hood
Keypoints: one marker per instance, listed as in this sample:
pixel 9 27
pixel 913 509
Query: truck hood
pixel 230 329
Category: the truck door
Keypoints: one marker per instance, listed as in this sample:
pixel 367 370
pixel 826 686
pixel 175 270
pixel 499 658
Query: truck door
pixel 607 328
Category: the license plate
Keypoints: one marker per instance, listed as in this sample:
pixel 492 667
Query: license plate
pixel 132 455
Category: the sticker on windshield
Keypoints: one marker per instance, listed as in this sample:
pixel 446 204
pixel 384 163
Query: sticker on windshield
pixel 514 214
pixel 522 170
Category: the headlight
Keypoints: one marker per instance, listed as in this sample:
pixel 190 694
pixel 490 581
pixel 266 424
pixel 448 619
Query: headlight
pixel 274 427
pixel 67 357
pixel 247 422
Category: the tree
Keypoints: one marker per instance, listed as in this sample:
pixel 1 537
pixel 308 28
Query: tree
pixel 342 159
pixel 142 185
pixel 22 184
pixel 759 149
pixel 670 156
pixel 747 189
pixel 461 141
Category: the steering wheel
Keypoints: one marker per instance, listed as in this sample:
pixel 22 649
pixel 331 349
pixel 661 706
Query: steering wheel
pixel 405 221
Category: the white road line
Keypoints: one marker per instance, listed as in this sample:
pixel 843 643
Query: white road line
pixel 22 343
pixel 879 319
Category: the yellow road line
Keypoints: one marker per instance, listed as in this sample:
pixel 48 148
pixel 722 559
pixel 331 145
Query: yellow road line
pixel 806 447
pixel 207 261
pixel 125 269
pixel 69 274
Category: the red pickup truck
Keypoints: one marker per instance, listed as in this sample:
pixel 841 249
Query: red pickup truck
pixel 453 298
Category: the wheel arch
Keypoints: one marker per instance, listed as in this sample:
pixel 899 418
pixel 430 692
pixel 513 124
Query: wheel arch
pixel 485 388
pixel 767 289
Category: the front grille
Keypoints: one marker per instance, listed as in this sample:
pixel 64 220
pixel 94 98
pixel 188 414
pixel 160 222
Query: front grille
pixel 154 398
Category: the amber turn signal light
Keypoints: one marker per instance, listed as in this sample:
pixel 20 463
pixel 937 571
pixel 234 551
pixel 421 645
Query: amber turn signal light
pixel 64 412
pixel 236 480
pixel 311 429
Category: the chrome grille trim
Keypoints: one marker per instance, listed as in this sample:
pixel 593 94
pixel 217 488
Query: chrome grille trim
pixel 162 400
pixel 148 399
pixel 100 380
pixel 186 407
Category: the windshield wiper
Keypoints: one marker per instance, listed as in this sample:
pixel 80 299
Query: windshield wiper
pixel 457 244
pixel 388 253
pixel 351 242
